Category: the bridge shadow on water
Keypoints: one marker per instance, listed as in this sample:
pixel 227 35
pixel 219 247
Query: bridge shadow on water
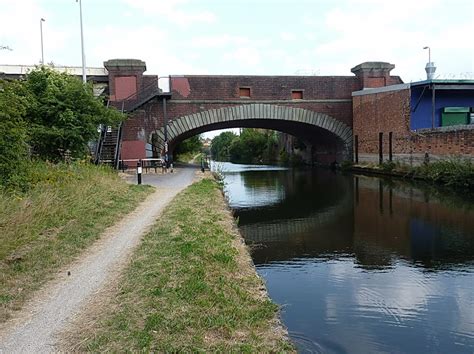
pixel 320 214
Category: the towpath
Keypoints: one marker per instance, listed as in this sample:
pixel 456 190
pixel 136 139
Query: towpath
pixel 36 327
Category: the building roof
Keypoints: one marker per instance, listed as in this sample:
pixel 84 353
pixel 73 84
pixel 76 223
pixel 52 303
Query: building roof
pixel 451 84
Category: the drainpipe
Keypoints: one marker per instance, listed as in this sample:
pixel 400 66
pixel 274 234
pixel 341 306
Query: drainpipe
pixel 433 105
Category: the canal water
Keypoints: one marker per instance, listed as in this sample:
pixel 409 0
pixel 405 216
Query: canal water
pixel 359 264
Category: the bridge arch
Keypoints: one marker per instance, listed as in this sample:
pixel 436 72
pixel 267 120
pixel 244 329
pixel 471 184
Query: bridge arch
pixel 234 116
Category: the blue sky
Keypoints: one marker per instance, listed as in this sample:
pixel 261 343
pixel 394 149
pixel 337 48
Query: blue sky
pixel 277 37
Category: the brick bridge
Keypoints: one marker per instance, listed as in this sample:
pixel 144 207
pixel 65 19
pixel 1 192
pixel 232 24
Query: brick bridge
pixel 316 109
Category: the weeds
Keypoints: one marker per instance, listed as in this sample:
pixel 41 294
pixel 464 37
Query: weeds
pixel 455 173
pixel 64 209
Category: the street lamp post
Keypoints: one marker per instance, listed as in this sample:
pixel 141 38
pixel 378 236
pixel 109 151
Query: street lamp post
pixel 41 30
pixel 430 68
pixel 429 53
pixel 84 78
pixel 430 71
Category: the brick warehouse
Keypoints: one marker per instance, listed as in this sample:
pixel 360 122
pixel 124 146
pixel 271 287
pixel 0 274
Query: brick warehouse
pixel 412 122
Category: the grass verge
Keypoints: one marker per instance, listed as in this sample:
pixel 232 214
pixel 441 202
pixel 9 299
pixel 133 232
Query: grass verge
pixel 455 173
pixel 65 209
pixel 190 286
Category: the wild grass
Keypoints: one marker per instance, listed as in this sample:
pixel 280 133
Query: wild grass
pixel 65 208
pixel 190 287
pixel 454 173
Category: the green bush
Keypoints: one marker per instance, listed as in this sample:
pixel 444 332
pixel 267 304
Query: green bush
pixel 388 166
pixel 48 115
pixel 64 114
pixel 14 103
pixel 457 173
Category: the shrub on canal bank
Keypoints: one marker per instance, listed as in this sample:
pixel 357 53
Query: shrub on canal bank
pixel 63 210
pixel 190 287
pixel 455 173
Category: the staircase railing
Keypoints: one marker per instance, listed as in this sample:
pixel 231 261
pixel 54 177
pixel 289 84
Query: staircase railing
pixel 135 100
pixel 118 146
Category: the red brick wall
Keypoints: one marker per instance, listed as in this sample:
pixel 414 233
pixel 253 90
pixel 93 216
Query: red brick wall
pixel 264 87
pixel 133 150
pixel 125 86
pixel 390 112
pixel 380 112
pixel 192 94
pixel 331 95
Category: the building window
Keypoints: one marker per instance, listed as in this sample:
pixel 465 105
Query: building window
pixel 244 92
pixel 297 94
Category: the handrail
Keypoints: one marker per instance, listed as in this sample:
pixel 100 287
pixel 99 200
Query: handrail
pixel 118 146
pixel 136 99
pixel 153 83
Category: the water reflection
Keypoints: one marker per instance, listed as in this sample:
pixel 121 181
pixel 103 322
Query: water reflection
pixel 360 264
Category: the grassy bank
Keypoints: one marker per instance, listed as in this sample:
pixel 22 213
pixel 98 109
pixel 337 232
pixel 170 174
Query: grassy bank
pixel 64 209
pixel 190 287
pixel 454 173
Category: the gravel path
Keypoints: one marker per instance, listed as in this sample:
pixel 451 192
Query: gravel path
pixel 36 327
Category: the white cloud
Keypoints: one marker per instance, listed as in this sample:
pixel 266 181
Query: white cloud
pixel 20 30
pixel 366 30
pixel 287 36
pixel 172 10
pixel 138 43
pixel 175 36
pixel 220 40
pixel 244 55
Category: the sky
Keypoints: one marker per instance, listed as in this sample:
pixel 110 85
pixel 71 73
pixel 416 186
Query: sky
pixel 263 37
pixel 257 37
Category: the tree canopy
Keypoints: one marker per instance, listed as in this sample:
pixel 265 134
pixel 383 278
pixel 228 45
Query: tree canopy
pixel 220 145
pixel 14 103
pixel 190 145
pixel 251 146
pixel 47 115
pixel 64 114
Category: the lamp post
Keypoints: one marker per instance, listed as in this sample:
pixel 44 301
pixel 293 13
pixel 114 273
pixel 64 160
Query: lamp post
pixel 41 31
pixel 430 71
pixel 84 79
pixel 429 53
pixel 430 68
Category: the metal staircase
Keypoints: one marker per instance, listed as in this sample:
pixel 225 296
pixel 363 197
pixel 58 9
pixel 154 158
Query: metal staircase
pixel 109 145
pixel 110 139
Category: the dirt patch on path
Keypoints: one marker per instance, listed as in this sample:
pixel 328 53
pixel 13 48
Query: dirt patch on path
pixel 36 327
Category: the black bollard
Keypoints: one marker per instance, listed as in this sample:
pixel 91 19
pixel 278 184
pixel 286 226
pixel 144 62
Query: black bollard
pixel 139 171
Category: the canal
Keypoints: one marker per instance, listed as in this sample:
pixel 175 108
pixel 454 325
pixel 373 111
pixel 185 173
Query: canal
pixel 359 264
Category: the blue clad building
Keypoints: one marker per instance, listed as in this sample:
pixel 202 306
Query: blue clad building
pixel 440 103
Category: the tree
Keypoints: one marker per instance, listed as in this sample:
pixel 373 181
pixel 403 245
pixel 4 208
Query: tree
pixel 191 145
pixel 14 103
pixel 253 146
pixel 64 114
pixel 220 145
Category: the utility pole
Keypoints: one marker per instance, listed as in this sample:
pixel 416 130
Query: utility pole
pixel 41 30
pixel 84 78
